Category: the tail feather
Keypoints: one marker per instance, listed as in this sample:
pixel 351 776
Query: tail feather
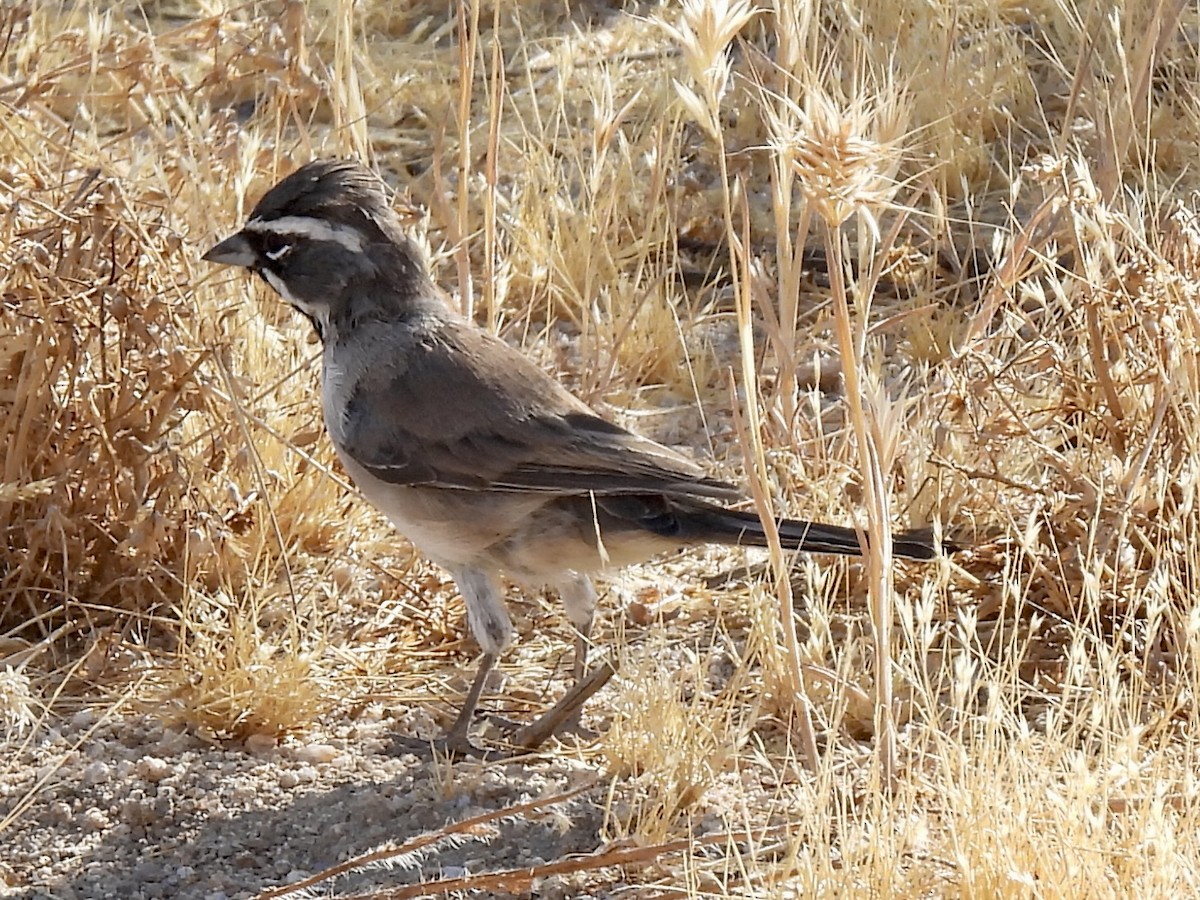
pixel 714 524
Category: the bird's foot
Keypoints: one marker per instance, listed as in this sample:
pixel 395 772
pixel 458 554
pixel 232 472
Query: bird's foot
pixel 571 725
pixel 449 746
pixel 574 726
pixel 565 713
pixel 564 716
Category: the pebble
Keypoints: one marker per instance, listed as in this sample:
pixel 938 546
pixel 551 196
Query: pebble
pixel 8 877
pixel 96 773
pixel 315 753
pixel 83 719
pixel 60 812
pixel 261 743
pixel 138 813
pixel 153 769
pixel 243 793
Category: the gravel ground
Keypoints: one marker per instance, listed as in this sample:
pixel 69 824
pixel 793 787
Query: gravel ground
pixel 126 807
pixel 137 810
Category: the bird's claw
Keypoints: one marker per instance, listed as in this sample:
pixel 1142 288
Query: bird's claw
pixel 564 713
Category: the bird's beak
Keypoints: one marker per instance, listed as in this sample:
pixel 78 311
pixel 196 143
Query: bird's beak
pixel 233 251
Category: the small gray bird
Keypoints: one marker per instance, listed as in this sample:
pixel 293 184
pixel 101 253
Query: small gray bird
pixel 481 459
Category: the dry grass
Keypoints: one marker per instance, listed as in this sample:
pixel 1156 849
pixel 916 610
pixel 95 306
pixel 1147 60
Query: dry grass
pixel 916 263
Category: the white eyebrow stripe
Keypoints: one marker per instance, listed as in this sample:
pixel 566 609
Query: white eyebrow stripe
pixel 309 227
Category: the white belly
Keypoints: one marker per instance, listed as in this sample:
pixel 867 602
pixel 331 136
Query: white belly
pixel 451 527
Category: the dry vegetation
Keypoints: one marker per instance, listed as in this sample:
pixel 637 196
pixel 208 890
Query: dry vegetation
pixel 916 263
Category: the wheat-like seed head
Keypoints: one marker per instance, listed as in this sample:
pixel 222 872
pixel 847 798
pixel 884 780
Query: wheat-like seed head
pixel 705 30
pixel 845 156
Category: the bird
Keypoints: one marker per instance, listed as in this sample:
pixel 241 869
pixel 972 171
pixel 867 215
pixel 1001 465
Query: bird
pixel 487 464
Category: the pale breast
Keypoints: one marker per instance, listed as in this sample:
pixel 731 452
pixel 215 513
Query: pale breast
pixel 451 527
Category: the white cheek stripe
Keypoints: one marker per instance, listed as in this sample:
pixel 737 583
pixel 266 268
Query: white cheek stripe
pixel 315 310
pixel 309 227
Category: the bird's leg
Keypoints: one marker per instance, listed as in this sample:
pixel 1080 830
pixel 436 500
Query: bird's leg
pixel 579 598
pixel 582 634
pixel 457 741
pixel 573 723
pixel 492 628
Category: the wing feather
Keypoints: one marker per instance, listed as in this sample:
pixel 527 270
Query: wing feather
pixel 461 409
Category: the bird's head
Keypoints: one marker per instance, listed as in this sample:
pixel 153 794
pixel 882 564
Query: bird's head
pixel 327 241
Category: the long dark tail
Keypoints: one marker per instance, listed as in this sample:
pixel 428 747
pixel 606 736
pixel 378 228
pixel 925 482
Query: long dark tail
pixel 709 523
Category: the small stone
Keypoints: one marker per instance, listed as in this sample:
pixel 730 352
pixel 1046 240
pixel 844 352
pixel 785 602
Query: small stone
pixel 8 877
pixel 138 813
pixel 343 576
pixel 147 870
pixel 315 753
pixel 96 773
pixel 261 743
pixel 83 719
pixel 60 812
pixel 288 780
pixel 153 769
pixel 94 820
pixel 552 887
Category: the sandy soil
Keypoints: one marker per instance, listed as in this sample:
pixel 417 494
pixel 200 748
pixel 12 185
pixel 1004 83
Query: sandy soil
pixel 131 809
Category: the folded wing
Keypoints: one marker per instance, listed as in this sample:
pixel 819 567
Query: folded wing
pixel 441 416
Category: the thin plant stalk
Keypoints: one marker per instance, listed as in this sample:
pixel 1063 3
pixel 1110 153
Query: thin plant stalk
pixel 468 32
pixel 875 496
pixel 750 435
pixel 491 162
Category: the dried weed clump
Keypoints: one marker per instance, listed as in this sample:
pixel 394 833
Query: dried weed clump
pixel 99 384
pixel 142 468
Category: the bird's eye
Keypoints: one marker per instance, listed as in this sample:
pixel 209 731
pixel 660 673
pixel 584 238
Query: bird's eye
pixel 276 247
